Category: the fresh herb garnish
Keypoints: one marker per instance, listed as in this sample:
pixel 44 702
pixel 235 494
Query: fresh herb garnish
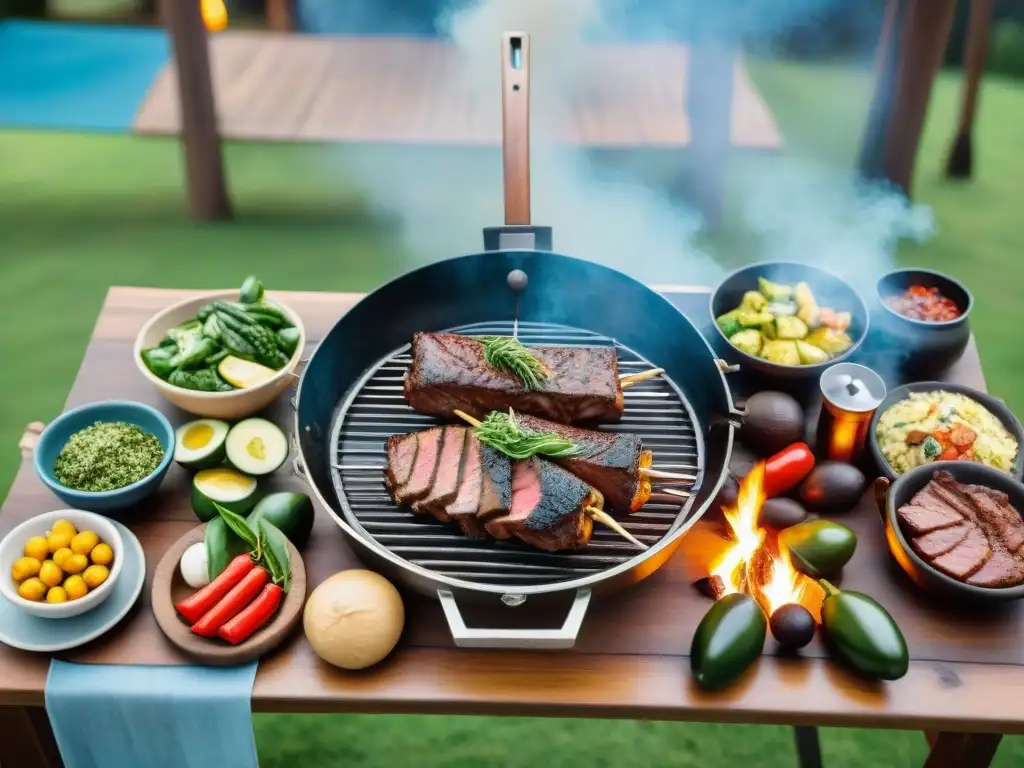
pixel 268 545
pixel 504 433
pixel 509 355
pixel 107 455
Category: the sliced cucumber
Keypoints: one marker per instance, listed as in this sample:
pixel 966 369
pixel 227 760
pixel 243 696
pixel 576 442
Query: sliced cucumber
pixel 227 487
pixel 200 444
pixel 256 446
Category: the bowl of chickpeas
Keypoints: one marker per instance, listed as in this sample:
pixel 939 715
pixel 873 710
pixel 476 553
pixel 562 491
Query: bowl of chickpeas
pixel 60 564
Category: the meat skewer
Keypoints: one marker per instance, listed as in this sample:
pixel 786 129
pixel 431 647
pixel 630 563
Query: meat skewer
pixel 447 472
pixel 627 380
pixel 566 384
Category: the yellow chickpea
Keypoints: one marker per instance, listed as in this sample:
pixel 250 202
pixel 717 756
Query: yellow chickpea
pixel 56 595
pixel 64 526
pixel 75 564
pixel 95 575
pixel 75 587
pixel 32 589
pixel 25 568
pixel 59 540
pixel 83 543
pixel 37 547
pixel 61 555
pixel 102 554
pixel 50 574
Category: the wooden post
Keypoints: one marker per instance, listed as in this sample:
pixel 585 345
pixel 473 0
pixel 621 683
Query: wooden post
pixel 710 78
pixel 280 15
pixel 913 41
pixel 979 29
pixel 204 168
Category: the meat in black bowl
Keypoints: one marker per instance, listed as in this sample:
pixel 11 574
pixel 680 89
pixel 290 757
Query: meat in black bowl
pixel 925 314
pixel 787 321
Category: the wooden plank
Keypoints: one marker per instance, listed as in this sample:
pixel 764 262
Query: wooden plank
pixel 409 90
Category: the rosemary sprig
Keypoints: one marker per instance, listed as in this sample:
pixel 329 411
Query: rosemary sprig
pixel 510 355
pixel 503 433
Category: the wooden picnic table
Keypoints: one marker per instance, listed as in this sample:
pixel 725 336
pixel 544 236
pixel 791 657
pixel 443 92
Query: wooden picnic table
pixel 964 688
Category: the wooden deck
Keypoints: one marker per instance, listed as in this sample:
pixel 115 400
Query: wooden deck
pixel 394 90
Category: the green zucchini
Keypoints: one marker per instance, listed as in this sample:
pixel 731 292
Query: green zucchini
pixel 252 291
pixel 863 634
pixel 288 340
pixel 292 513
pixel 727 641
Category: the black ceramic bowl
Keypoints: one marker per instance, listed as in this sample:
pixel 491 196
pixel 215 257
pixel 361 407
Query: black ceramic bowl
pixel 929 347
pixel 996 407
pixel 892 496
pixel 828 290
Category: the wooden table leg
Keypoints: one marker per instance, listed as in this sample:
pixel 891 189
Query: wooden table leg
pixel 808 748
pixel 912 45
pixel 979 29
pixel 26 739
pixel 961 750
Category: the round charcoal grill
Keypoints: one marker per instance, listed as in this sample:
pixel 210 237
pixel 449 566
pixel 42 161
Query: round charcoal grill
pixel 375 409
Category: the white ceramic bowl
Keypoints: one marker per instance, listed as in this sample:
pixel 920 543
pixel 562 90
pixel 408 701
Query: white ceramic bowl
pixel 13 546
pixel 229 406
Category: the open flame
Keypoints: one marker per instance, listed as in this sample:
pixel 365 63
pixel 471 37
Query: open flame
pixel 215 14
pixel 752 563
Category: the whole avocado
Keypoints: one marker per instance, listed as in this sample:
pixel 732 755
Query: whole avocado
pixel 727 641
pixel 863 634
pixel 291 513
pixel 818 547
pixel 833 486
pixel 774 420
pixel 781 512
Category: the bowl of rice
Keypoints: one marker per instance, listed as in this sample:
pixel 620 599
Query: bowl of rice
pixel 930 421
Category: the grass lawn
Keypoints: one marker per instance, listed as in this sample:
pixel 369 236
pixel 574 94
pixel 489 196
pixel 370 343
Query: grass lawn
pixel 79 213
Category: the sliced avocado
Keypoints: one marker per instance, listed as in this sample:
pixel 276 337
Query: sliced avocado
pixel 256 447
pixel 227 487
pixel 200 444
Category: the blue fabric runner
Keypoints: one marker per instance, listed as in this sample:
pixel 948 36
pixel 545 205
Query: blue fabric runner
pixel 152 717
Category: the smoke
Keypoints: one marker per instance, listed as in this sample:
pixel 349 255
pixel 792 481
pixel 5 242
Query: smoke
pixel 794 208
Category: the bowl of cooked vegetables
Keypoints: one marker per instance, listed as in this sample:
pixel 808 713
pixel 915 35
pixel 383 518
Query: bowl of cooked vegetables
pixel 60 564
pixel 223 355
pixel 788 320
pixel 927 422
pixel 924 314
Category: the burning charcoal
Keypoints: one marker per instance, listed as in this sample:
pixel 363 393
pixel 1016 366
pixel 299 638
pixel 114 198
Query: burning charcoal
pixel 792 626
pixel 710 586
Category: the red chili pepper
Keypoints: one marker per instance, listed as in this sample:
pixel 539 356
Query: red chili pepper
pixel 232 603
pixel 254 616
pixel 193 607
pixel 785 470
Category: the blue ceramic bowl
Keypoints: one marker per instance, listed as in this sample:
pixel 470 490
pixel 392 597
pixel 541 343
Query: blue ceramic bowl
pixel 56 435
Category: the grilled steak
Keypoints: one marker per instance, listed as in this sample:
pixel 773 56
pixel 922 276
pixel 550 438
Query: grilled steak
pixel 449 371
pixel 485 489
pixel 968 532
pixel 401 457
pixel 608 461
pixel 548 507
pixel 424 468
pixel 447 476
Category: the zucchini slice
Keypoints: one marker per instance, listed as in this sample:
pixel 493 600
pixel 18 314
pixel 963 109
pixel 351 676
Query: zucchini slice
pixel 256 447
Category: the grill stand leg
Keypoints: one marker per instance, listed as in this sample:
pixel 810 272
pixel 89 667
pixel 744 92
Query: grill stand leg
pixel 808 749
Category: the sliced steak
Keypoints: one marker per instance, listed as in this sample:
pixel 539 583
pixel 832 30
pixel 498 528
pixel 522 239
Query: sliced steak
pixel 401 456
pixel 446 479
pixel 450 371
pixel 495 483
pixel 939 542
pixel 1001 570
pixel 966 558
pixel 922 516
pixel 547 504
pixel 999 519
pixel 424 469
pixel 467 498
pixel 608 461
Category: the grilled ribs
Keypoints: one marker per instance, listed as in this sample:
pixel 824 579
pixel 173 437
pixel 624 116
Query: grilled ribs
pixel 474 486
pixel 449 371
pixel 608 461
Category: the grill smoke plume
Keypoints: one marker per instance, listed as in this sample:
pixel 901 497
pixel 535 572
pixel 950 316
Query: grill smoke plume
pixel 795 208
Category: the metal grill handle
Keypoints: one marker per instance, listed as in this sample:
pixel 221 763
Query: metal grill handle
pixel 520 639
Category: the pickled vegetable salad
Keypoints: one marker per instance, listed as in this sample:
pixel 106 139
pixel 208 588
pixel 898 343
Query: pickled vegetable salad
pixel 784 324
pixel 229 345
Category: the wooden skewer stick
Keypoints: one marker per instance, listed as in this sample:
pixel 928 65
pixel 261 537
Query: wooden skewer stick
pixel 627 380
pixel 674 492
pixel 603 517
pixel 657 474
pixel 467 418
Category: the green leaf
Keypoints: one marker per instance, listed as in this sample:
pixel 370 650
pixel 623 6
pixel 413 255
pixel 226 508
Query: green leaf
pixel 222 546
pixel 237 524
pixel 275 553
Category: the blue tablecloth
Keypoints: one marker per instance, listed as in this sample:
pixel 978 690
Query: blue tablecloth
pixel 152 717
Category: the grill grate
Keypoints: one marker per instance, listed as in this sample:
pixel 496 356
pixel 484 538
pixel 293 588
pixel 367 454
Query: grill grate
pixel 375 409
